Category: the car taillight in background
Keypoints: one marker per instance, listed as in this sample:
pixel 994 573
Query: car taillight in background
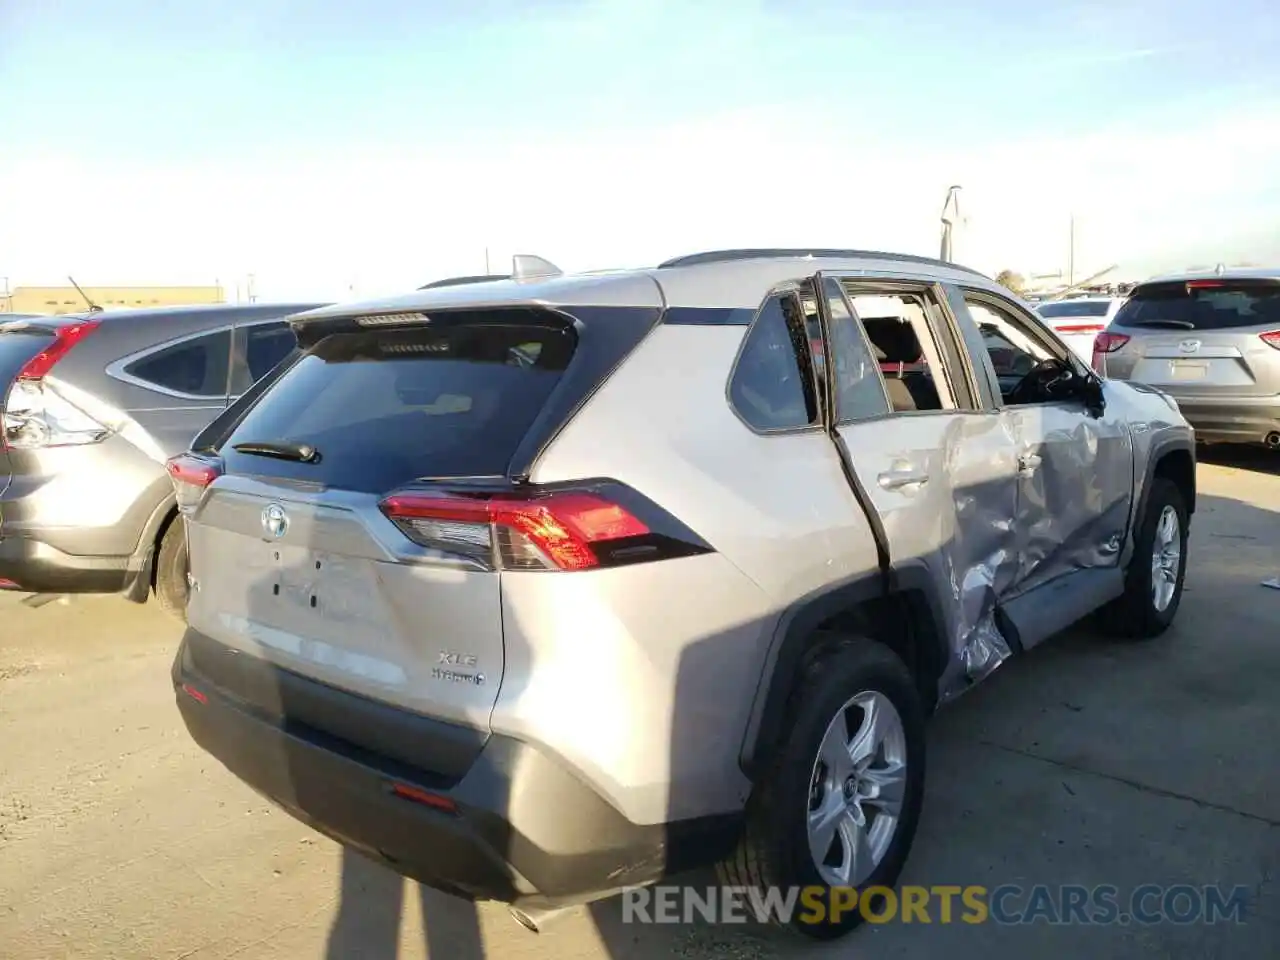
pixel 1103 344
pixel 567 530
pixel 191 475
pixel 1271 338
pixel 35 414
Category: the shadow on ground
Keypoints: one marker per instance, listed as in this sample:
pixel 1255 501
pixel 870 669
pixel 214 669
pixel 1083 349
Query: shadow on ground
pixel 1257 458
pixel 1088 762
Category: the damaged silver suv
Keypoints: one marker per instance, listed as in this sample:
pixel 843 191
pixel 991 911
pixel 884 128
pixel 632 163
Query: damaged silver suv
pixel 538 588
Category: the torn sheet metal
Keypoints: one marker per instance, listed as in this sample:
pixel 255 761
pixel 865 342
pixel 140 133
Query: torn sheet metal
pixel 980 557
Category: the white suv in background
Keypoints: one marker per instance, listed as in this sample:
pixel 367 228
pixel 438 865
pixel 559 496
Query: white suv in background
pixel 1079 320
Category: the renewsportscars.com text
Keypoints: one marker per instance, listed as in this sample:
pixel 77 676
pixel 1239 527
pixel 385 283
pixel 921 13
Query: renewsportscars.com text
pixel 1009 904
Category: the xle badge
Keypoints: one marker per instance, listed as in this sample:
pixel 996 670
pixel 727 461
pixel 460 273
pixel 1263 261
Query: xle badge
pixel 449 660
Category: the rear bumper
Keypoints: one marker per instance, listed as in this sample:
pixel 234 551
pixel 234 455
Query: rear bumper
pixel 1231 420
pixel 36 567
pixel 516 826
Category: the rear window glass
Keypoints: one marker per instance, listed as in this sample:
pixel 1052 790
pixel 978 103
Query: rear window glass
pixel 1073 309
pixel 197 367
pixel 1219 305
pixel 384 407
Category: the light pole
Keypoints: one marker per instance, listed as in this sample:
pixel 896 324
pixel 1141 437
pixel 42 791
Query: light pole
pixel 950 214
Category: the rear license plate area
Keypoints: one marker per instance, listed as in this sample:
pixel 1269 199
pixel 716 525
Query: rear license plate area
pixel 1188 369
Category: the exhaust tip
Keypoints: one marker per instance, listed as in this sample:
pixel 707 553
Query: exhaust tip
pixel 524 920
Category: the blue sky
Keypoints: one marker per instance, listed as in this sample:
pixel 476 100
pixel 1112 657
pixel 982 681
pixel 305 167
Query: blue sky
pixel 333 147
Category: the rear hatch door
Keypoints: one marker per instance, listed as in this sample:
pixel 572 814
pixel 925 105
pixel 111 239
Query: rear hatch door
pixel 1201 337
pixel 292 558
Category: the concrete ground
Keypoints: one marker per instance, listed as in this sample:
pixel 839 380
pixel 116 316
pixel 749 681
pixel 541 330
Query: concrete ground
pixel 1088 762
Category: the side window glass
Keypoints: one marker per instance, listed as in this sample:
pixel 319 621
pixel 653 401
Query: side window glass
pixel 772 386
pixel 897 328
pixel 1011 344
pixel 197 367
pixel 860 393
pixel 266 344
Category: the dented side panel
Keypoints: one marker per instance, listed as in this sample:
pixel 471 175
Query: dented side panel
pixel 1075 489
pixel 945 486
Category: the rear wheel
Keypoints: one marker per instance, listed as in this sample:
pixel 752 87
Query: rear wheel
pixel 1154 580
pixel 172 587
pixel 838 808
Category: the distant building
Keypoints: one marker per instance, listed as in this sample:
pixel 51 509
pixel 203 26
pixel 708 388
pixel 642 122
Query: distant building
pixel 58 300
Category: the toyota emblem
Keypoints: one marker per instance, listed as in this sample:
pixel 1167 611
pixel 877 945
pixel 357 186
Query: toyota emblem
pixel 1189 346
pixel 275 521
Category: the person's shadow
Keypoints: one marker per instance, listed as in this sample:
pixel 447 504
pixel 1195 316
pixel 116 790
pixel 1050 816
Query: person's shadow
pixel 370 911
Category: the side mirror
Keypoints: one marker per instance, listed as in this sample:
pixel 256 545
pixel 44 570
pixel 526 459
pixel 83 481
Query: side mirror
pixel 1063 380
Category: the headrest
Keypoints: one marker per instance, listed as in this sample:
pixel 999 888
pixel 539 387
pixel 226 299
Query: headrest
pixel 893 339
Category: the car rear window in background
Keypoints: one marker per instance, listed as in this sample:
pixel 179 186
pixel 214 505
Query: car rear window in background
pixel 1203 305
pixel 197 367
pixel 385 407
pixel 1073 308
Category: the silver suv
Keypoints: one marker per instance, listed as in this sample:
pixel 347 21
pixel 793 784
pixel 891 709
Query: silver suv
pixel 540 588
pixel 1210 340
pixel 91 407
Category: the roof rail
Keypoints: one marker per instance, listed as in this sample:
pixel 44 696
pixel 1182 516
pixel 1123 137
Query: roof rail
pixel 456 281
pixel 726 256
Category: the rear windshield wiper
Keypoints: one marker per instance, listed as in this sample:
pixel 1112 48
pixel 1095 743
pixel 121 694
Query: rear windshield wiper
pixel 280 449
pixel 1177 324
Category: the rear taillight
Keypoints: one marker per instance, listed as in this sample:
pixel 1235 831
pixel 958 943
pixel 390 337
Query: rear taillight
pixel 564 530
pixel 1105 343
pixel 35 414
pixel 191 475
pixel 64 338
pixel 1271 338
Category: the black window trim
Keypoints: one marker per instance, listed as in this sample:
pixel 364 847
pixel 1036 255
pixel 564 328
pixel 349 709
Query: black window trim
pixel 791 288
pixel 119 369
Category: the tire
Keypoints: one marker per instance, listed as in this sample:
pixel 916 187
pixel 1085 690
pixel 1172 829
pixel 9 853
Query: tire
pixel 1139 614
pixel 172 588
pixel 775 850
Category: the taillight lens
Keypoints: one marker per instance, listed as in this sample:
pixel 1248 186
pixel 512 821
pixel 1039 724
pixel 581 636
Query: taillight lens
pixel 557 531
pixel 36 415
pixel 1105 343
pixel 1272 338
pixel 64 338
pixel 191 475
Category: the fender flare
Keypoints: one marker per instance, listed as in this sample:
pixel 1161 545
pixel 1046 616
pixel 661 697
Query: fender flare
pixel 792 641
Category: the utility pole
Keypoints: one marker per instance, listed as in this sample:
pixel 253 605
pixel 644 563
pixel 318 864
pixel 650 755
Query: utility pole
pixel 486 262
pixel 1071 252
pixel 950 214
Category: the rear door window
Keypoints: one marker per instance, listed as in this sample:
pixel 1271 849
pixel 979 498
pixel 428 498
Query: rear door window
pixel 385 407
pixel 197 367
pixel 1202 305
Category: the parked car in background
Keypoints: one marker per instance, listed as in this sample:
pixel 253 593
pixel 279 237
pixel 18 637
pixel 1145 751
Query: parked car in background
pixel 91 406
pixel 1079 320
pixel 541 588
pixel 1211 341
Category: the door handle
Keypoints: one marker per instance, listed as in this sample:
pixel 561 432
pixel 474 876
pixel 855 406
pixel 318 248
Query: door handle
pixel 896 479
pixel 1027 463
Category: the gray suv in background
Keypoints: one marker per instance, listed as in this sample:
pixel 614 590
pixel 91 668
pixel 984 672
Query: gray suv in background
pixel 1212 342
pixel 539 588
pixel 91 406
